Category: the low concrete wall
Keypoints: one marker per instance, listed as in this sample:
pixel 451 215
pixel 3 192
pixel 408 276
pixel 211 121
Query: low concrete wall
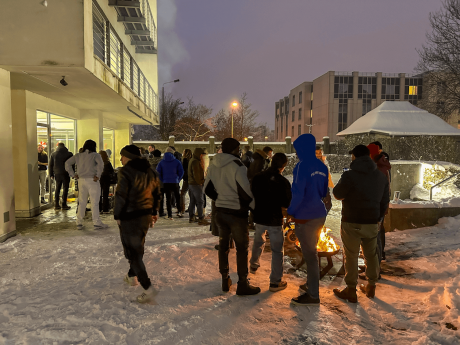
pixel 412 218
pixel 404 176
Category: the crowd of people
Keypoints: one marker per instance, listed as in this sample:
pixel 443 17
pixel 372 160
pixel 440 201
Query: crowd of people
pixel 247 191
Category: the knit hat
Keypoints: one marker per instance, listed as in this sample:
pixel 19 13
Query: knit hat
pixel 156 153
pixel 229 145
pixel 360 151
pixel 373 149
pixel 130 151
pixel 170 149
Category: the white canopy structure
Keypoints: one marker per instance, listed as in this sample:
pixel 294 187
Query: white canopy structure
pixel 397 118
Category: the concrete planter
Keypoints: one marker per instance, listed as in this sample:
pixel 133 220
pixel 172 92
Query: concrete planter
pixel 416 217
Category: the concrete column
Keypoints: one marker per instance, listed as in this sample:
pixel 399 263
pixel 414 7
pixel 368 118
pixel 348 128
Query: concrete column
pixel 171 140
pixel 212 145
pixel 7 198
pixel 251 143
pixel 326 145
pixel 90 126
pixel 24 131
pixel 122 138
pixel 402 85
pixel 288 145
pixel 379 88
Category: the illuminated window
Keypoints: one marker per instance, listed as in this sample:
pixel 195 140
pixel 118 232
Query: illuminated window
pixel 412 90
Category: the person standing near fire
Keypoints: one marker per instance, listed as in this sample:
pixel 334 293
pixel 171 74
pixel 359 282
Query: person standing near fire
pixel 364 192
pixel 307 210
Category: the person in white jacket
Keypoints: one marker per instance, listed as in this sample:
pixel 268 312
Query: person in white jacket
pixel 90 166
pixel 228 185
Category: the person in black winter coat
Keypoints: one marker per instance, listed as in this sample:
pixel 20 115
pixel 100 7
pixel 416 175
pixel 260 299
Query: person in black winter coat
pixel 261 161
pixel 185 160
pixel 364 191
pixel 247 156
pixel 106 177
pixel 60 175
pixel 272 194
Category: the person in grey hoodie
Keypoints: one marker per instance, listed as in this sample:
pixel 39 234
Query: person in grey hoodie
pixel 90 167
pixel 228 185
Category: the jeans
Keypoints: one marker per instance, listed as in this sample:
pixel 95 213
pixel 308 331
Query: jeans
pixel 92 189
pixel 196 199
pixel 381 242
pixel 237 227
pixel 308 235
pixel 169 189
pixel 161 211
pixel 42 182
pixel 183 191
pixel 62 180
pixel 356 235
pixel 132 234
pixel 276 245
pixel 104 199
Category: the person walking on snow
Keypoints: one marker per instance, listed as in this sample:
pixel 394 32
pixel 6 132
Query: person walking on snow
pixel 90 167
pixel 60 175
pixel 364 192
pixel 171 172
pixel 228 185
pixel 136 207
pixel 307 210
pixel 272 194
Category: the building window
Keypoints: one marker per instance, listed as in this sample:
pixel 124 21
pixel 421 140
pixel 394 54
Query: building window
pixel 300 113
pixel 286 106
pixel 343 114
pixel 281 108
pixel 299 130
pixel 286 124
pixel 390 89
pixel 413 90
pixel 99 31
pixel 293 100
pixel 300 97
pixel 367 87
pixel 293 116
pixel 343 87
pixel 292 131
pixel 366 106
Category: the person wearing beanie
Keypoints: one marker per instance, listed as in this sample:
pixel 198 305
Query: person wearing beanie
pixel 272 193
pixel 136 210
pixel 90 167
pixel 170 171
pixel 195 185
pixel 228 185
pixel 364 192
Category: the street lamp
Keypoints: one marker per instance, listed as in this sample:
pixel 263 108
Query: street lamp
pixel 163 102
pixel 234 105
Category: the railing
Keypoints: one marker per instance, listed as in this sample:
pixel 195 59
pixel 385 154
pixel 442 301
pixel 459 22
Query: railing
pixel 149 22
pixel 109 48
pixel 439 183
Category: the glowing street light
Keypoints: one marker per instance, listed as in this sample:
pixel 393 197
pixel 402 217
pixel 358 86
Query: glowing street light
pixel 234 105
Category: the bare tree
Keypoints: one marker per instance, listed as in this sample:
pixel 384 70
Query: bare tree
pixel 440 62
pixel 172 114
pixel 195 123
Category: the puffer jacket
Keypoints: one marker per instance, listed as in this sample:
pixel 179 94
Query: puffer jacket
pixel 170 169
pixel 260 163
pixel 196 168
pixel 138 192
pixel 57 161
pixel 228 185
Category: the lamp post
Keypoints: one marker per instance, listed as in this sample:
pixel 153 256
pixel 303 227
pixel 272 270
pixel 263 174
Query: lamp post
pixel 234 105
pixel 162 122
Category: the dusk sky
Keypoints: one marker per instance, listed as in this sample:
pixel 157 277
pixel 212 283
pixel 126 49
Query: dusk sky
pixel 220 49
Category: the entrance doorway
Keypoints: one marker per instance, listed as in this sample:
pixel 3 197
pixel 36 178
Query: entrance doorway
pixel 109 144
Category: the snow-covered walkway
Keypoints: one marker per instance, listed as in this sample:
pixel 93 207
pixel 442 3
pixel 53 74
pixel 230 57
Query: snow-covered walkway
pixel 59 285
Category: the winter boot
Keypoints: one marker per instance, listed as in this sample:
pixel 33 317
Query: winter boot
pixel 65 207
pixel 278 286
pixel 56 206
pixel 148 296
pixel 347 294
pixel 132 281
pixel 180 215
pixel 226 283
pixel 191 220
pixel 305 299
pixel 244 288
pixel 203 221
pixel 368 289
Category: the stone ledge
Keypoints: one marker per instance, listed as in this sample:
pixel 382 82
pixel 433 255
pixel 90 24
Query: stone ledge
pixel 412 218
pixel 6 236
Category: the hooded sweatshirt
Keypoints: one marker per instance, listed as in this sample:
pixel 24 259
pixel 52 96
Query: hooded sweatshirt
pixel 364 192
pixel 310 183
pixel 170 169
pixel 89 164
pixel 228 185
pixel 196 168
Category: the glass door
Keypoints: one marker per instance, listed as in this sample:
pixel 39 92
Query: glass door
pixel 109 144
pixel 43 139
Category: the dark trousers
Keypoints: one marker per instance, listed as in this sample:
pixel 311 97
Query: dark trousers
pixel 237 227
pixel 171 189
pixel 62 180
pixel 104 201
pixel 161 211
pixel 183 191
pixel 132 234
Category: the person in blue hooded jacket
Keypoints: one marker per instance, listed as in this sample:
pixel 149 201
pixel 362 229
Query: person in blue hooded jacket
pixel 307 210
pixel 171 172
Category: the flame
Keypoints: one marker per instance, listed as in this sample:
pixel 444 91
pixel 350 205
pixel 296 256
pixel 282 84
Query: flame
pixel 325 243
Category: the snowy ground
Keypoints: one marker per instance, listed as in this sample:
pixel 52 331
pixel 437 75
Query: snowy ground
pixel 59 285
